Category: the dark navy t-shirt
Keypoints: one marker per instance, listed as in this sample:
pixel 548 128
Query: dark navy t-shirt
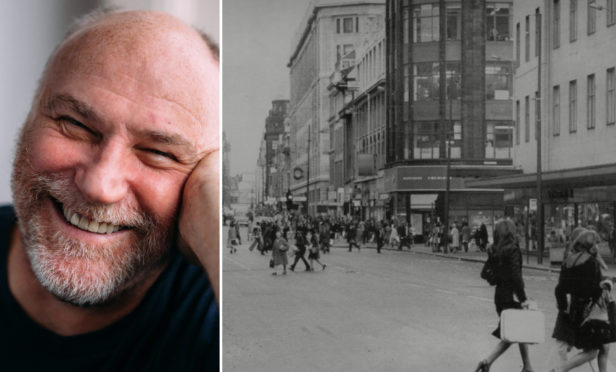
pixel 174 328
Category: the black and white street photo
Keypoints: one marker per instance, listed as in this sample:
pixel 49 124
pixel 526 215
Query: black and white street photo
pixel 419 185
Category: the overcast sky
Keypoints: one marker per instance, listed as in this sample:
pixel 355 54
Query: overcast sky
pixel 257 37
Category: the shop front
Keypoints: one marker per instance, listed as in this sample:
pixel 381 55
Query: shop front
pixel 583 197
pixel 418 197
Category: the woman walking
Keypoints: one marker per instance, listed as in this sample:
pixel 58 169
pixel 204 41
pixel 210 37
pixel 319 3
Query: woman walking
pixel 279 253
pixel 313 254
pixel 509 292
pixel 578 294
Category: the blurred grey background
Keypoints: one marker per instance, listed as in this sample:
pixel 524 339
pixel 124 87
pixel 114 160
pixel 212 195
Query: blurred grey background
pixel 29 31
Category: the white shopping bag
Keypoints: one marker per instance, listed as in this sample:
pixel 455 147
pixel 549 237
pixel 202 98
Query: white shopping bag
pixel 522 326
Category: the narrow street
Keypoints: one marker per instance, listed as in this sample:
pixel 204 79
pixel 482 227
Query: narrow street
pixel 395 311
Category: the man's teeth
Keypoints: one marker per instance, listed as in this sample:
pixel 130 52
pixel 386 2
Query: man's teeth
pixel 91 226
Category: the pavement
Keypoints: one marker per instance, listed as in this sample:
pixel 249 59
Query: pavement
pixel 530 259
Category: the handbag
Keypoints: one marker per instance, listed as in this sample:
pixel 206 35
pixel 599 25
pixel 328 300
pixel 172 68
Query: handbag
pixel 595 329
pixel 489 270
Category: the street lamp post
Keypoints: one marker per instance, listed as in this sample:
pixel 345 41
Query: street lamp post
pixel 308 177
pixel 539 221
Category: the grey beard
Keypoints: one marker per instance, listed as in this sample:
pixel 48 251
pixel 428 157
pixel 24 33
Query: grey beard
pixel 104 273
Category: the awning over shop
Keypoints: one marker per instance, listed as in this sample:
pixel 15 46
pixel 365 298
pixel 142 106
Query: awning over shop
pixel 423 201
pixel 598 175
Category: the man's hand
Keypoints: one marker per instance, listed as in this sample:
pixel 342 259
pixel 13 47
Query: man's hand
pixel 199 221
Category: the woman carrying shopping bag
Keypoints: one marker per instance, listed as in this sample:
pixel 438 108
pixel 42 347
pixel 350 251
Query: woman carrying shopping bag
pixel 582 302
pixel 509 292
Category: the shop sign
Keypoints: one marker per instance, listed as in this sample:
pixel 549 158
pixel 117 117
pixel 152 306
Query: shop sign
pixel 532 204
pixel 419 178
pixel 299 198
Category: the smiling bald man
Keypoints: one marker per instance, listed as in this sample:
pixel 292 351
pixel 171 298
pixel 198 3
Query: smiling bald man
pixel 116 172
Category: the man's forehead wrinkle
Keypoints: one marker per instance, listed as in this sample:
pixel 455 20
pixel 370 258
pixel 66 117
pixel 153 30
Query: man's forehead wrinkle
pixel 70 102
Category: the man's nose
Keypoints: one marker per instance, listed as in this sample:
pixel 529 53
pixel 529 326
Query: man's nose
pixel 104 177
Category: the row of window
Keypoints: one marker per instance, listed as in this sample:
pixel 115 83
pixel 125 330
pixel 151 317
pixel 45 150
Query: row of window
pixel 425 22
pixel 591 106
pixel 591 24
pixel 426 87
pixel 428 139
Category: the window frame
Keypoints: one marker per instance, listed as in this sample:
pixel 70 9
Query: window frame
pixel 556 110
pixel 591 101
pixel 573 106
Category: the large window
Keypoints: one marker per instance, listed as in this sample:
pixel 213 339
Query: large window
pixel 498 80
pixel 573 106
pixel 537 32
pixel 556 24
pixel 517 122
pixel 347 25
pixel 610 97
pixel 572 20
pixel 527 39
pixel 591 10
pixel 499 139
pixel 426 23
pixel 498 21
pixel 427 140
pixel 454 21
pixel 452 74
pixel 426 81
pixel 611 12
pixel 556 110
pixel 517 44
pixel 590 101
pixel 526 119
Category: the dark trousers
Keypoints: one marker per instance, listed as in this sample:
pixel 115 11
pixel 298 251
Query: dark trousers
pixel 352 243
pixel 379 245
pixel 300 256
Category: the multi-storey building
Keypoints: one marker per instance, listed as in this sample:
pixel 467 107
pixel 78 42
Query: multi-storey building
pixel 329 31
pixel 449 94
pixel 565 84
pixel 273 136
pixel 357 131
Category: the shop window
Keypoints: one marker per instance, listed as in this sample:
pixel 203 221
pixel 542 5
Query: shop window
pixel 426 81
pixel 498 21
pixel 426 23
pixel 498 80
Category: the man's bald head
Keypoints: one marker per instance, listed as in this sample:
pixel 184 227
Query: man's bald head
pixel 171 59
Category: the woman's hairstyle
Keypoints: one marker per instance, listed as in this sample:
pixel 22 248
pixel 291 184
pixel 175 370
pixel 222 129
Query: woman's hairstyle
pixel 504 232
pixel 584 241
